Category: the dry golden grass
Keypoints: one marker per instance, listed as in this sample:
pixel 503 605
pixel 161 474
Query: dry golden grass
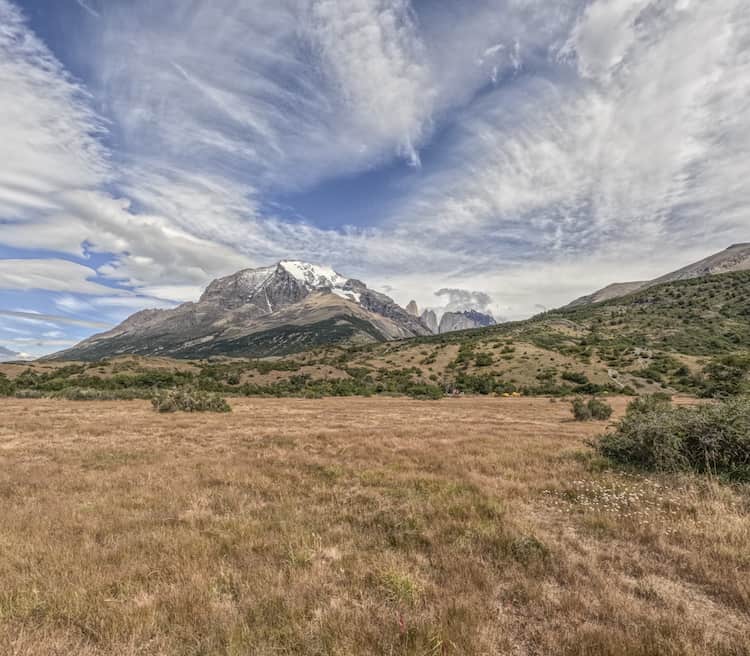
pixel 355 526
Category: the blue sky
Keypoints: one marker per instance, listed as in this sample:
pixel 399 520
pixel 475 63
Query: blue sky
pixel 526 150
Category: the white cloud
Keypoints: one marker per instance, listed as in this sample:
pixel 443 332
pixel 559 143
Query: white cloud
pixel 69 303
pixel 284 92
pixel 51 178
pixel 88 8
pixel 604 34
pixel 607 133
pixel 48 132
pixel 53 275
pixel 37 317
pixel 642 153
pixel 174 292
pixel 372 53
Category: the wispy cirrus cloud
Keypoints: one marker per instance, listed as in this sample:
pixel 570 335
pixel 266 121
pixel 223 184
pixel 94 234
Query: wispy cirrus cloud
pixel 535 145
pixel 55 179
pixel 88 8
pixel 629 141
pixel 49 274
pixel 289 92
pixel 53 319
pixel 50 134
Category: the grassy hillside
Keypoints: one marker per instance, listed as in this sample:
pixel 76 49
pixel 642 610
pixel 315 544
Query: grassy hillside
pixel 690 336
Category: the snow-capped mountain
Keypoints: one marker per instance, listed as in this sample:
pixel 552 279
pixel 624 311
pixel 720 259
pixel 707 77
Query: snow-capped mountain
pixel 289 306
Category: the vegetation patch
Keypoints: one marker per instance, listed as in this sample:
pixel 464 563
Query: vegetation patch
pixel 657 436
pixel 189 400
pixel 590 410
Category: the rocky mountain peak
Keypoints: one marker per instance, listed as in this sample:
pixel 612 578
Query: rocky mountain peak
pixel 269 288
pixel 412 308
pixel 452 321
pixel 263 311
pixel 429 319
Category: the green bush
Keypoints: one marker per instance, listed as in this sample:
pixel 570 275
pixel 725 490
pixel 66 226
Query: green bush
pixel 483 360
pixel 188 399
pixel 7 387
pixel 599 409
pixel 89 394
pixel 426 392
pixel 726 376
pixel 593 409
pixel 655 435
pixel 28 394
pixel 580 410
pixel 577 377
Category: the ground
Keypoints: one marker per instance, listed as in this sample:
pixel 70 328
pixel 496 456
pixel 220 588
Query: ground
pixel 355 526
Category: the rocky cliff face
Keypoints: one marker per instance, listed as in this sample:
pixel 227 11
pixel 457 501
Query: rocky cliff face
pixel 412 308
pixel 429 319
pixel 279 309
pixel 452 321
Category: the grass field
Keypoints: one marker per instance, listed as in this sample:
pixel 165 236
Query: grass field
pixel 355 526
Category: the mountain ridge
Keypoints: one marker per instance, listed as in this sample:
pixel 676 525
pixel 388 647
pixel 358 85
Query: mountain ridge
pixel 253 312
pixel 465 320
pixel 734 258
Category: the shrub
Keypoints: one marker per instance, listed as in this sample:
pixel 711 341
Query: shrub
pixel 600 409
pixel 594 409
pixel 426 392
pixel 577 377
pixel 188 399
pixel 483 360
pixel 580 410
pixel 726 376
pixel 655 435
pixel 89 394
pixel 28 394
pixel 7 388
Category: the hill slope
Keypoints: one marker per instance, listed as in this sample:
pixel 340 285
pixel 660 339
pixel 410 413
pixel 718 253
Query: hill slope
pixel 734 258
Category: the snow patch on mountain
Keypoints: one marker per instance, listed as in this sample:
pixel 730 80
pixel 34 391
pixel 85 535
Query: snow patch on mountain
pixel 251 279
pixel 348 295
pixel 313 275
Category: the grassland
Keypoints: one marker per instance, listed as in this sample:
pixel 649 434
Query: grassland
pixel 356 526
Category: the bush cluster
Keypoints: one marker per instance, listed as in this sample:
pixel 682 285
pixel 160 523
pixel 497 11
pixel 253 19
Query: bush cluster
pixel 89 394
pixel 189 399
pixel 655 435
pixel 593 409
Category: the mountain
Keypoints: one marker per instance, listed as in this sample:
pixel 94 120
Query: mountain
pixel 734 258
pixel 690 336
pixel 429 319
pixel 452 321
pixel 7 355
pixel 285 308
pixel 413 308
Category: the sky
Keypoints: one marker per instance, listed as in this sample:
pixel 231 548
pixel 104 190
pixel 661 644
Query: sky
pixel 505 155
